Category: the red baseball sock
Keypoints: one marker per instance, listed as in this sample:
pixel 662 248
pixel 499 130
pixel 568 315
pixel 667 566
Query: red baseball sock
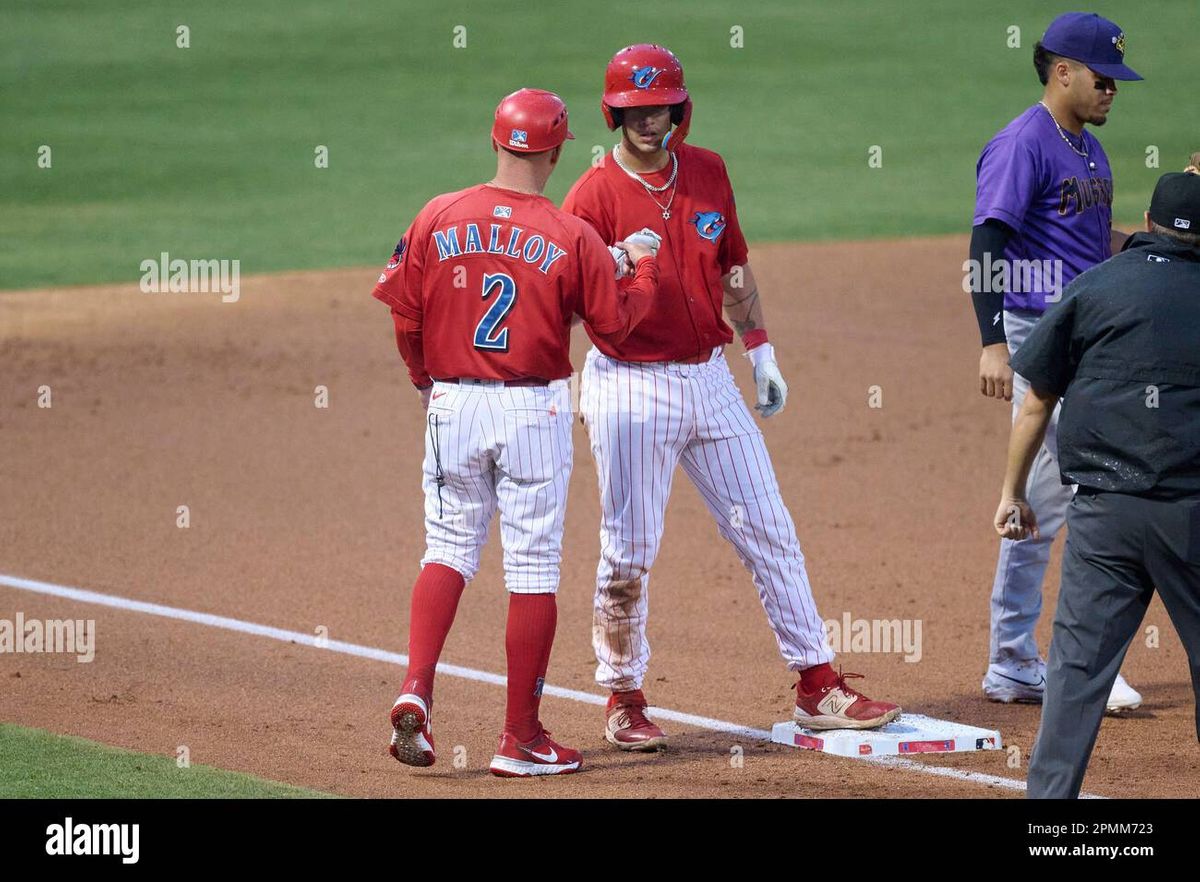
pixel 434 602
pixel 530 635
pixel 817 677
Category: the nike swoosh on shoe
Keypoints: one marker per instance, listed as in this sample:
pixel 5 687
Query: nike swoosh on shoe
pixel 1041 680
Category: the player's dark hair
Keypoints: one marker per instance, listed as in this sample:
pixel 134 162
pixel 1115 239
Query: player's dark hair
pixel 618 115
pixel 1190 239
pixel 1043 60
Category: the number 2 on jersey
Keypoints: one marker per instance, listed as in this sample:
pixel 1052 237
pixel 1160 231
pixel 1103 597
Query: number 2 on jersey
pixel 488 335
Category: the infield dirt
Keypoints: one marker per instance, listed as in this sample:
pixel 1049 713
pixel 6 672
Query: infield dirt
pixel 304 517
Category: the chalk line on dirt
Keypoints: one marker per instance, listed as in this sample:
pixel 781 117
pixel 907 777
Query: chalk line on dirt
pixel 369 652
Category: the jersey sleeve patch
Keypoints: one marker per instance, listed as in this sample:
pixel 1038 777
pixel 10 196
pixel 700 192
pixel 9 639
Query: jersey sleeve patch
pixel 398 254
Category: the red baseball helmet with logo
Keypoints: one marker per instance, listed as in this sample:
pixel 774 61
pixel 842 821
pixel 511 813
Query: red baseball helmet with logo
pixel 530 121
pixel 645 75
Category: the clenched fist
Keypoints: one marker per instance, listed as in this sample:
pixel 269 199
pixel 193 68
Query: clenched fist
pixel 995 376
pixel 1015 519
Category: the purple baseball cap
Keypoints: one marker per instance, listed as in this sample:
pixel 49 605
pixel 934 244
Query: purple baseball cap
pixel 1089 39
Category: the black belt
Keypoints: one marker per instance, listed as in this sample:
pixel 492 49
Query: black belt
pixel 523 381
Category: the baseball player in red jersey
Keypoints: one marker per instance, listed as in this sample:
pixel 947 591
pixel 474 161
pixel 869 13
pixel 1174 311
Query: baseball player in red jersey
pixel 665 396
pixel 483 288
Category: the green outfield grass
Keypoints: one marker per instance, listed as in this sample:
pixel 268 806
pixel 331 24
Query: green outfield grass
pixel 40 765
pixel 208 151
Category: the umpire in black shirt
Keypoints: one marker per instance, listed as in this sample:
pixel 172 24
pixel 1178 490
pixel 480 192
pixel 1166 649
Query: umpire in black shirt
pixel 1122 351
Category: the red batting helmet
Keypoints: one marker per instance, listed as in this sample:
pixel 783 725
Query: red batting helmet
pixel 530 121
pixel 645 75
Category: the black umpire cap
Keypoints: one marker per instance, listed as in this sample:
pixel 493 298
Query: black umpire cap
pixel 1176 202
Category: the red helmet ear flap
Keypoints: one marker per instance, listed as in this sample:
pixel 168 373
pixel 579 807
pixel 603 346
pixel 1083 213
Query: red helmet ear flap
pixel 676 135
pixel 611 119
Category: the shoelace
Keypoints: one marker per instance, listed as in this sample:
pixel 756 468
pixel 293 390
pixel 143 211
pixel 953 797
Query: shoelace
pixel 635 715
pixel 840 683
pixel 849 690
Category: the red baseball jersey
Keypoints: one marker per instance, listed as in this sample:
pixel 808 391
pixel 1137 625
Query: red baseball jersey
pixel 486 280
pixel 702 242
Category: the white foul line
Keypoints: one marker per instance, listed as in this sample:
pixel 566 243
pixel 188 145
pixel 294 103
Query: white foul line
pixel 396 658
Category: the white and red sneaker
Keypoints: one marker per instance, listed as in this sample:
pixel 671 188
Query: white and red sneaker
pixel 837 706
pixel 541 756
pixel 412 733
pixel 627 725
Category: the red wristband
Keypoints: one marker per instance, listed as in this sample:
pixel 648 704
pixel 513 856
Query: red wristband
pixel 754 339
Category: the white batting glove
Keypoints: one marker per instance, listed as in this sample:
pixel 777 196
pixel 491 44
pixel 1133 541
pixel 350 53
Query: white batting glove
pixel 425 392
pixel 772 390
pixel 621 259
pixel 647 238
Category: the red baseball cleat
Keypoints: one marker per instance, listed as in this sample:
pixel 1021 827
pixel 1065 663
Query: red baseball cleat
pixel 837 706
pixel 628 727
pixel 412 733
pixel 541 756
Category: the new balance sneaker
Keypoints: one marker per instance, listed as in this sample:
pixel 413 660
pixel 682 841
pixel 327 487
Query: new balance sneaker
pixel 412 734
pixel 627 726
pixel 1123 697
pixel 837 706
pixel 541 756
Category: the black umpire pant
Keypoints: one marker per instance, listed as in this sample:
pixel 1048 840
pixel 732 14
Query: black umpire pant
pixel 1119 548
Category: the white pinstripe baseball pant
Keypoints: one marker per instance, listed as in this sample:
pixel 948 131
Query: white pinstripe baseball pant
pixel 489 446
pixel 642 420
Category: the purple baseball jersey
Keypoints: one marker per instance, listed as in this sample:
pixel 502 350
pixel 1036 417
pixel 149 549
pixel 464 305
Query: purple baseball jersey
pixel 1061 209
